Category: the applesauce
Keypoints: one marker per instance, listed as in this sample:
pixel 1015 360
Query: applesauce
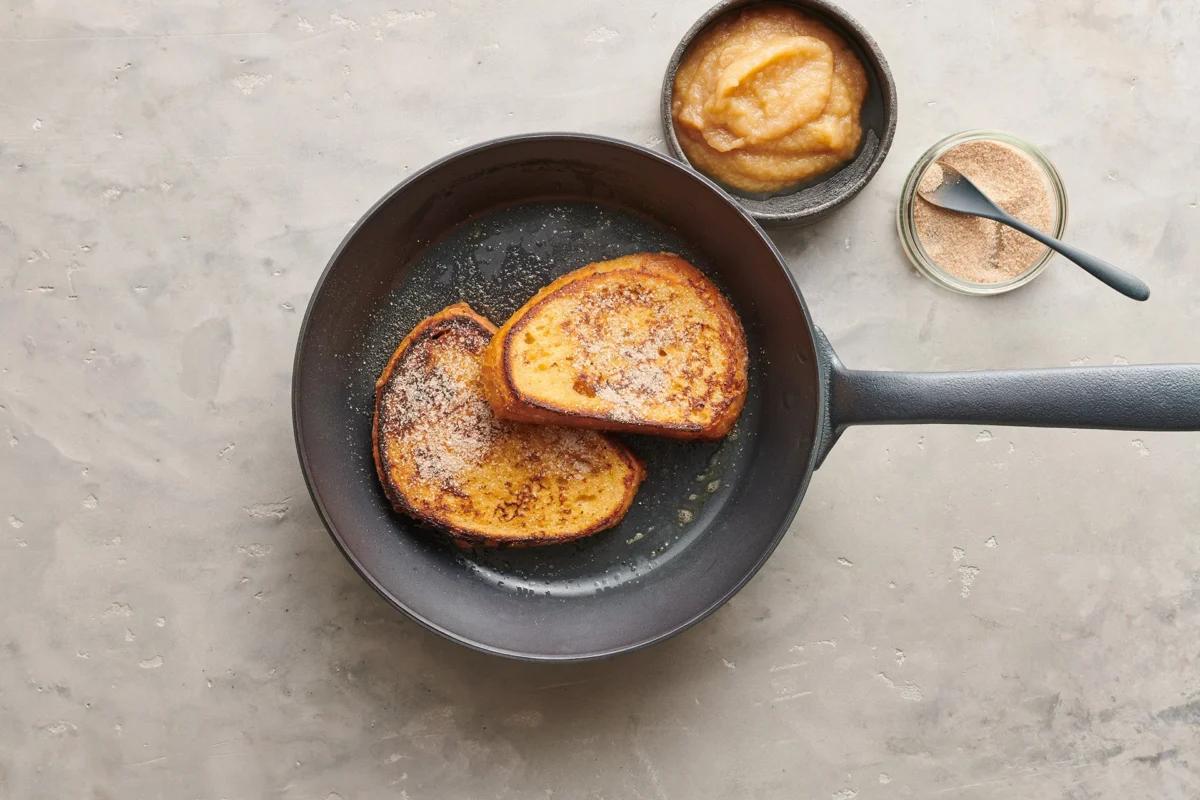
pixel 767 98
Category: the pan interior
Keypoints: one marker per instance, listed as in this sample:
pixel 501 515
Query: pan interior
pixel 495 261
pixel 491 225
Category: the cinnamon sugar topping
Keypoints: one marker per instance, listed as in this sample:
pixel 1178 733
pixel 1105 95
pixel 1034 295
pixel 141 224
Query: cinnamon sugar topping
pixel 435 401
pixel 435 405
pixel 979 250
pixel 625 365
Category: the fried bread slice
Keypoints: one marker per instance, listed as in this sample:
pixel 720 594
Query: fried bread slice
pixel 642 343
pixel 447 461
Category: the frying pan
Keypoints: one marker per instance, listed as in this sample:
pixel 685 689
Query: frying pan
pixel 493 223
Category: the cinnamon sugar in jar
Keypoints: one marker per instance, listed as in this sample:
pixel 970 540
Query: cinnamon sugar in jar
pixel 971 254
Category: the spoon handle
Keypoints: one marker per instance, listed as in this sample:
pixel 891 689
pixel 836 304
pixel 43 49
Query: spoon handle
pixel 1119 279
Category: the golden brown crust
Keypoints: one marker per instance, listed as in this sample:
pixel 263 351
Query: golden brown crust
pixel 511 404
pixel 397 492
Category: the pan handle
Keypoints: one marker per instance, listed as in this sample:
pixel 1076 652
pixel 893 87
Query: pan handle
pixel 1158 397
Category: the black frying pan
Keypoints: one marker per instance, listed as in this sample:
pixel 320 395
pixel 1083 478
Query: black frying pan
pixel 492 224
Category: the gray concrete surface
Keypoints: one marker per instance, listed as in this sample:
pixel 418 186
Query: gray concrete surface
pixel 956 613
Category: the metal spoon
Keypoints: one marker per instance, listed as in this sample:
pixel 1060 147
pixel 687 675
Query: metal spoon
pixel 957 193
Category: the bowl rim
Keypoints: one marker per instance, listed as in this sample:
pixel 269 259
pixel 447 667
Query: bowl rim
pixel 853 30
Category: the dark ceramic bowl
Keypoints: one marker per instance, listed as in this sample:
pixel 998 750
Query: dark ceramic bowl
pixel 815 199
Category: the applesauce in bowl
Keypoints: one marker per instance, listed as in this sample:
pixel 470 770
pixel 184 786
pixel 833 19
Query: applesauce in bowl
pixel 768 97
pixel 745 108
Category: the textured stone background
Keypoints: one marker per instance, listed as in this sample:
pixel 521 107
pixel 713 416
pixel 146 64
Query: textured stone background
pixel 956 612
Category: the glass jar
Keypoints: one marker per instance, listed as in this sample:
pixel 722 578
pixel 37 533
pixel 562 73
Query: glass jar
pixel 908 197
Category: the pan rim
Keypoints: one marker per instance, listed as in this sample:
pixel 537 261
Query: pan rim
pixel 365 573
